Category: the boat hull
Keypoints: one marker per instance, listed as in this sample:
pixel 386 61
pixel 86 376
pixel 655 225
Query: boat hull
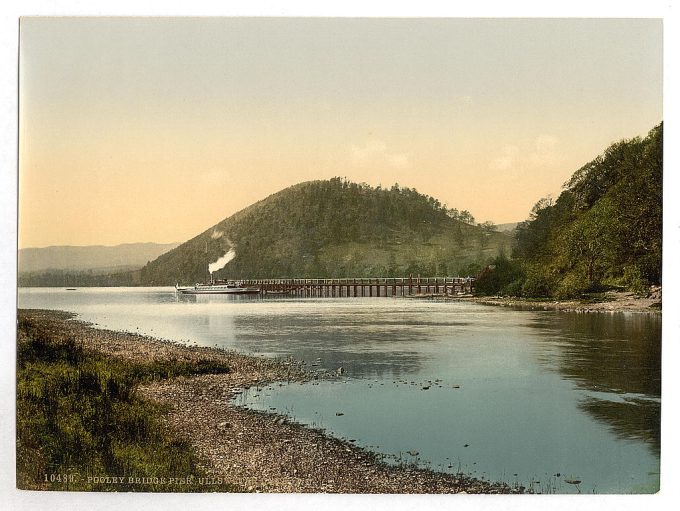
pixel 217 290
pixel 212 292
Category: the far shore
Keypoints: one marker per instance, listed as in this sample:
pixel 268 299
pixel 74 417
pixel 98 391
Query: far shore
pixel 256 451
pixel 611 301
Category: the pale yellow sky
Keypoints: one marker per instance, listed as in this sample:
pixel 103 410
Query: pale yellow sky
pixel 155 129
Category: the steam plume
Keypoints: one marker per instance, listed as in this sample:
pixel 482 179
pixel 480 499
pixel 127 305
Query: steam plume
pixel 222 261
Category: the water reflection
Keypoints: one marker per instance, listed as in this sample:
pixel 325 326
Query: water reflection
pixel 216 298
pixel 376 339
pixel 501 392
pixel 616 359
pixel 363 344
pixel 634 420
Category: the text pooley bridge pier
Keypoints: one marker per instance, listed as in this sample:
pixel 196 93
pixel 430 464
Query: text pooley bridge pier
pixel 360 287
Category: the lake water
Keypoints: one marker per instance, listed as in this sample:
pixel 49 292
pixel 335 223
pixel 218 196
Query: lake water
pixel 528 397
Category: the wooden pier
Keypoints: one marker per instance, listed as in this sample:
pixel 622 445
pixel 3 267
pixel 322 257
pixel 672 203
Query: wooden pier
pixel 365 287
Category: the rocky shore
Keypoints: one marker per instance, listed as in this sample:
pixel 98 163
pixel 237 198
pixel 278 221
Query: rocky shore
pixel 611 301
pixel 256 451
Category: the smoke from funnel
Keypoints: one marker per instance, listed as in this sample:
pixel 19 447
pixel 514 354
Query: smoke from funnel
pixel 222 261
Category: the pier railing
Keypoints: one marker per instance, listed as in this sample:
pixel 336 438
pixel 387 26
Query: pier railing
pixel 358 287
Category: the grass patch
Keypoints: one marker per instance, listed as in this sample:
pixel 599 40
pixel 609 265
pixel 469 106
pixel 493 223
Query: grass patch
pixel 81 427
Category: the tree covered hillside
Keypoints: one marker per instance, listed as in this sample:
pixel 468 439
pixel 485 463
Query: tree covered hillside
pixel 603 230
pixel 334 228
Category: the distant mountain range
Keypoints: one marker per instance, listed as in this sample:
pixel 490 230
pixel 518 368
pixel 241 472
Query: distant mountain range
pixel 96 258
pixel 507 228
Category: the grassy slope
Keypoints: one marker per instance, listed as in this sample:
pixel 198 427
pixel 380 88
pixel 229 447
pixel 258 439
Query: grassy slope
pixel 78 417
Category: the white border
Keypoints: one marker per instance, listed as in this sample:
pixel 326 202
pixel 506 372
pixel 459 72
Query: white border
pixel 396 8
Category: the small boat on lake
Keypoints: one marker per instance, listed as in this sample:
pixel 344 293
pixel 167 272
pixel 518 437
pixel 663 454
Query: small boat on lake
pixel 228 288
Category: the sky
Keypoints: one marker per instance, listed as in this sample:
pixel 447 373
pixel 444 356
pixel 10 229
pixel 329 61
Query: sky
pixel 154 129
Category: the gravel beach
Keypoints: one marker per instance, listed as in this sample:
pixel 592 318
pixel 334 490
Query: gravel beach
pixel 613 301
pixel 256 451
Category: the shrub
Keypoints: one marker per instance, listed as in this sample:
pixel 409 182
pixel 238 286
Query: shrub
pixel 536 285
pixel 513 289
pixel 634 281
pixel 572 285
pixel 499 274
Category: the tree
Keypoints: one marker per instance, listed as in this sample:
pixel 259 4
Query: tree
pixel 590 243
pixel 605 228
pixel 466 217
pixel 497 276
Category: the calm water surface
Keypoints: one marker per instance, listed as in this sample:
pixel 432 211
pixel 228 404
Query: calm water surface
pixel 525 397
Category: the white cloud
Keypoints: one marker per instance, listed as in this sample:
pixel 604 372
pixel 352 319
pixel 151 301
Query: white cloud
pixel 371 149
pixel 399 161
pixel 376 152
pixel 543 153
pixel 508 160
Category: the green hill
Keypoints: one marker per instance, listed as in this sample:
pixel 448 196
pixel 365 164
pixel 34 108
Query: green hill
pixel 604 230
pixel 334 228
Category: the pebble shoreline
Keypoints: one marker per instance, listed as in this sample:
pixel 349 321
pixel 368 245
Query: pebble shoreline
pixel 257 451
pixel 614 302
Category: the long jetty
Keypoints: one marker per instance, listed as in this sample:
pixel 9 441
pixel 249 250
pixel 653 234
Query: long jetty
pixel 360 287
